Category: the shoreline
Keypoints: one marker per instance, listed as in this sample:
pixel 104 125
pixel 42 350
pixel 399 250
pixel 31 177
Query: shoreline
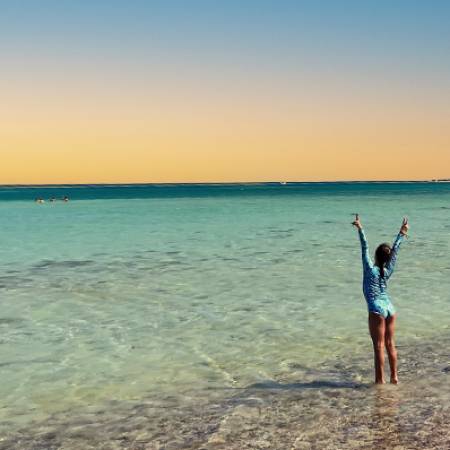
pixel 328 408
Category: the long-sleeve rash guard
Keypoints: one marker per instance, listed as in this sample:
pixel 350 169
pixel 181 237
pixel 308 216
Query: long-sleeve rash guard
pixel 374 285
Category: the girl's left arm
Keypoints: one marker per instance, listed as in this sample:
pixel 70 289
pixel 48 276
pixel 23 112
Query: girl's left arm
pixel 394 252
pixel 367 262
pixel 396 246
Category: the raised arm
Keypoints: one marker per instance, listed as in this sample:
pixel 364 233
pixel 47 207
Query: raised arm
pixel 396 246
pixel 367 262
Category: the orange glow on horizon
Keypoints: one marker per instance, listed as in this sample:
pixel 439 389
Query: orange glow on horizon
pixel 96 133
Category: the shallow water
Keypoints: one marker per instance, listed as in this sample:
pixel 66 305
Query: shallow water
pixel 328 407
pixel 227 315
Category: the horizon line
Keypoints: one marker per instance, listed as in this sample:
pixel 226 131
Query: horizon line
pixel 281 182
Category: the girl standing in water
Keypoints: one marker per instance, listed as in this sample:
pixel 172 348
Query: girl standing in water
pixel 381 310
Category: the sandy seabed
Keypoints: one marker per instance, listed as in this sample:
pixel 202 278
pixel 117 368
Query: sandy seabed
pixel 330 408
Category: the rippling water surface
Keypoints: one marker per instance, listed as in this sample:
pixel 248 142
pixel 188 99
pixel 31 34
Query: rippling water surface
pixel 188 316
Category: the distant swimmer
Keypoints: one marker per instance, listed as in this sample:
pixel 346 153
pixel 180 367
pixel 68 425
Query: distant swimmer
pixel 39 200
pixel 53 199
pixel 65 198
pixel 382 313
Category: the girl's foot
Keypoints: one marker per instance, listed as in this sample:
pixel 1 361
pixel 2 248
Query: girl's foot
pixel 394 379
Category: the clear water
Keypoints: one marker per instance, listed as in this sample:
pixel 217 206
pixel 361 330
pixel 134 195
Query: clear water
pixel 184 296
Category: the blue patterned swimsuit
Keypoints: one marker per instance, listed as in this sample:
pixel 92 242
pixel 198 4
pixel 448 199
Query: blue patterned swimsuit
pixel 375 286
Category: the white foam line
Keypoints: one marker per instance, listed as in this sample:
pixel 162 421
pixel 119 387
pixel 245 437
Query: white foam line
pixel 215 365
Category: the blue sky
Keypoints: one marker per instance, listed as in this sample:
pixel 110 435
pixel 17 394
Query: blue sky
pixel 312 65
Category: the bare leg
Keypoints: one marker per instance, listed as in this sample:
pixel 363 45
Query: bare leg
pixel 390 347
pixel 377 327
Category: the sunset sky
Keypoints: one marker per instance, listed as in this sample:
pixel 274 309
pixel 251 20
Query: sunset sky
pixel 198 91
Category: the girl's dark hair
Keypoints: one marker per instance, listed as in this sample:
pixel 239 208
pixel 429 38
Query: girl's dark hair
pixel 382 257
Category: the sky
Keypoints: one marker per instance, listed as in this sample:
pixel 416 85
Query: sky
pixel 214 91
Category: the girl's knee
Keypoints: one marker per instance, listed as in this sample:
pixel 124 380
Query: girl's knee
pixel 390 344
pixel 379 345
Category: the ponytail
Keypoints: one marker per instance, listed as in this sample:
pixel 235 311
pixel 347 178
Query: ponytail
pixel 382 257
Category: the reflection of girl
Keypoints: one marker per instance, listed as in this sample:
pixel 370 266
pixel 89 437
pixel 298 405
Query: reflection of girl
pixel 381 310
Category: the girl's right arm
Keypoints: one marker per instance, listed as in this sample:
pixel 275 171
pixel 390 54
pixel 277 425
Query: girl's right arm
pixel 367 262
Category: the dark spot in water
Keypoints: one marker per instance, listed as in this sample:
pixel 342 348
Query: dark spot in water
pixel 244 309
pixel 28 361
pixel 48 264
pixel 295 250
pixel 446 369
pixel 161 290
pixel 294 365
pixel 170 263
pixel 276 230
pixel 142 257
pixel 277 260
pixel 14 280
pixel 134 276
pixel 10 320
pixel 281 236
pixel 318 384
pixel 322 286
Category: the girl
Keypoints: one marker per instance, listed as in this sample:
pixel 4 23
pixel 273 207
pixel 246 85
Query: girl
pixel 381 310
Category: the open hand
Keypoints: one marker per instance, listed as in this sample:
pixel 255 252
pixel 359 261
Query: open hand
pixel 405 227
pixel 357 222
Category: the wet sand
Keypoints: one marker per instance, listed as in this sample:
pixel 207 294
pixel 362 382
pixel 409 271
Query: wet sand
pixel 335 407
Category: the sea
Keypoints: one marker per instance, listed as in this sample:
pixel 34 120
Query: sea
pixel 219 316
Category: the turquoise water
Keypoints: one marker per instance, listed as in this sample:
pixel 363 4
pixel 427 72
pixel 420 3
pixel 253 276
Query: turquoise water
pixel 182 294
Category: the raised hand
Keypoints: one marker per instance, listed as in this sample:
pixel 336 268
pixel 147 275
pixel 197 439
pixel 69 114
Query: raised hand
pixel 357 222
pixel 405 227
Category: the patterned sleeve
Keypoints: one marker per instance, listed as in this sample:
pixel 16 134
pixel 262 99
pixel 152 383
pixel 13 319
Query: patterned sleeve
pixel 367 262
pixel 394 252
